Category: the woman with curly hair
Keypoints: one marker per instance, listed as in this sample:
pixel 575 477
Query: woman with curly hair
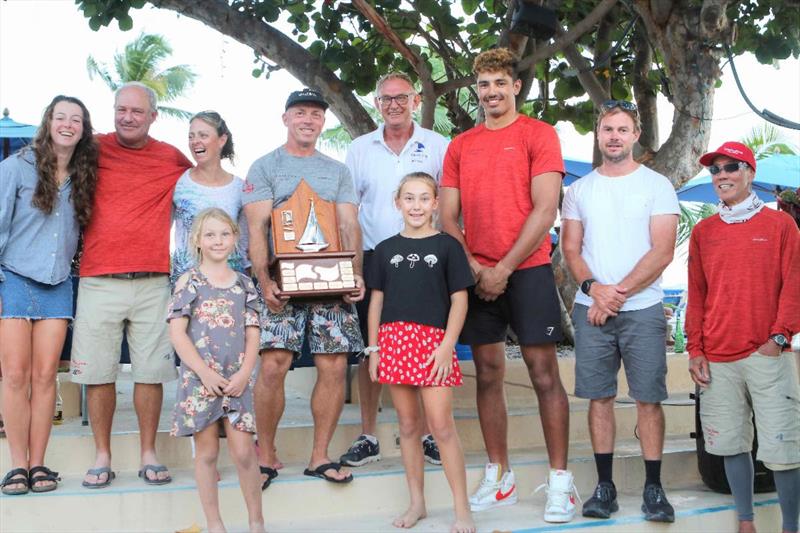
pixel 46 195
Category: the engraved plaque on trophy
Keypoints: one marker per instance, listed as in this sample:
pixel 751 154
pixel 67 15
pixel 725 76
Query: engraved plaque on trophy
pixel 309 261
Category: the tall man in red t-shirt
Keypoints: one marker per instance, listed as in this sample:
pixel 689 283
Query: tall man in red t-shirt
pixel 124 285
pixel 744 307
pixel 504 177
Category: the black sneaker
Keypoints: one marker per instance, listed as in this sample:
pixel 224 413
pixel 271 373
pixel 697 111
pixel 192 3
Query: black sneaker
pixel 603 502
pixel 431 450
pixel 361 452
pixel 655 506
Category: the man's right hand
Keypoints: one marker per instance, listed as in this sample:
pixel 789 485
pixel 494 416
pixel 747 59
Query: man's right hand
pixel 272 295
pixel 700 371
pixel 609 299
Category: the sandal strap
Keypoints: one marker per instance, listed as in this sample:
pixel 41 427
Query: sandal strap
pixel 49 475
pixel 10 480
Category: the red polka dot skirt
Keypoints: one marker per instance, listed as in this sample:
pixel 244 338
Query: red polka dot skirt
pixel 404 348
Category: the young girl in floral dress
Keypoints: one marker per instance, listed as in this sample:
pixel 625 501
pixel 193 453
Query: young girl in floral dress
pixel 214 326
pixel 418 307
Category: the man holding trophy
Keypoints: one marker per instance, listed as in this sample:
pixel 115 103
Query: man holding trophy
pixel 305 249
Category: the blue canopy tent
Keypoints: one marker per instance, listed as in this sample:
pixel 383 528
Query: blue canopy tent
pixel 13 135
pixel 575 170
pixel 772 173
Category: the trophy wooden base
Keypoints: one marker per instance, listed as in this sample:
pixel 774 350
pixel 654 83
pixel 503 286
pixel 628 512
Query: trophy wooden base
pixel 315 275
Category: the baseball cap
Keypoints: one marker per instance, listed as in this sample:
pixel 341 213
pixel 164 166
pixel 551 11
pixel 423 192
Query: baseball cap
pixel 734 150
pixel 306 96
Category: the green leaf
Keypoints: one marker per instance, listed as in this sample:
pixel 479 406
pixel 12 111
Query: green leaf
pixel 94 23
pixel 302 38
pixel 257 72
pixel 469 6
pixel 125 23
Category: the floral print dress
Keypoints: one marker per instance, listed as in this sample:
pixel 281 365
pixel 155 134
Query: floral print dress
pixel 217 320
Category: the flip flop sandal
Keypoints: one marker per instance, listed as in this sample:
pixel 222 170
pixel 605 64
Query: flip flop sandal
pixel 271 474
pixel 98 472
pixel 155 469
pixel 44 474
pixel 320 473
pixel 11 480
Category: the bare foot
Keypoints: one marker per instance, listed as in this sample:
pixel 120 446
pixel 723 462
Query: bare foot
pixel 747 526
pixel 257 527
pixel 410 518
pixel 463 525
pixel 272 458
pixel 216 527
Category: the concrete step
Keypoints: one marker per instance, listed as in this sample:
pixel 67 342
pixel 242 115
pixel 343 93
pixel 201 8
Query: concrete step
pixel 519 391
pixel 697 510
pixel 71 447
pixel 299 503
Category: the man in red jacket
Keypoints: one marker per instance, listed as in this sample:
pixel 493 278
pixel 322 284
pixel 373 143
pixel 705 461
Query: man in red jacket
pixel 124 285
pixel 744 306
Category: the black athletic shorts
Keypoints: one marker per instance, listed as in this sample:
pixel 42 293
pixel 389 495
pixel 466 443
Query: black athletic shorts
pixel 529 305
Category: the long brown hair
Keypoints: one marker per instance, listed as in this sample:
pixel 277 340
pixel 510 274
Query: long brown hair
pixel 82 166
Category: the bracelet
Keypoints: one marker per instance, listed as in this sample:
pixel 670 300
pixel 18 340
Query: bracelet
pixel 371 349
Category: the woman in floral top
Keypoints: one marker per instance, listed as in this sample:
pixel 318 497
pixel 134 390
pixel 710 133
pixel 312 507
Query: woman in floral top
pixel 214 326
pixel 207 185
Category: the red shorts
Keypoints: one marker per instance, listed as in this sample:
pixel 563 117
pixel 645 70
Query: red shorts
pixel 404 348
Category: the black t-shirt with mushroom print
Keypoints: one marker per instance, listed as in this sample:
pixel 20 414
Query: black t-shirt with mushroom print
pixel 417 277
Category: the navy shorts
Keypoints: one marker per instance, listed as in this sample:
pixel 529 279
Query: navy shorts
pixel 637 339
pixel 529 305
pixel 25 298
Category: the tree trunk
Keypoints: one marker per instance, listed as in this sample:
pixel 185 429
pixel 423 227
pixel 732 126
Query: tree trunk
pixel 693 69
pixel 282 50
pixel 566 293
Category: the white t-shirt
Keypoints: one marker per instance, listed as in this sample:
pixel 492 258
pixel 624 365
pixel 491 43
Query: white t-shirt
pixel 377 171
pixel 615 213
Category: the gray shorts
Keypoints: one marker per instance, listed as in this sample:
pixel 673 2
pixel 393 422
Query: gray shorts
pixel 637 338
pixel 330 327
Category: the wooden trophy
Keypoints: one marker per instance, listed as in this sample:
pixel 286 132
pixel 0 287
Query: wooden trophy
pixel 309 261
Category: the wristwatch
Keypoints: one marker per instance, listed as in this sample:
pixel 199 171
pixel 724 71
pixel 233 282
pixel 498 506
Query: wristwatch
pixel 780 340
pixel 586 285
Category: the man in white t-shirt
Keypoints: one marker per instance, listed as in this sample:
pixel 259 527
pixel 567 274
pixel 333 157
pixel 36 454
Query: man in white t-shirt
pixel 618 235
pixel 377 162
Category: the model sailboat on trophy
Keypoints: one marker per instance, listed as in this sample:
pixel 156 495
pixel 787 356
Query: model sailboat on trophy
pixel 322 269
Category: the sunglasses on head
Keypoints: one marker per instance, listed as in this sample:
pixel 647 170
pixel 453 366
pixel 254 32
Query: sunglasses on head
pixel 728 167
pixel 622 104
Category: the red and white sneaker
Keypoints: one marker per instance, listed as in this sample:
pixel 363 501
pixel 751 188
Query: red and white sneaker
pixel 561 495
pixel 494 493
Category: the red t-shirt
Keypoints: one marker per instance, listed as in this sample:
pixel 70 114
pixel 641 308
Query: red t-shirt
pixel 744 285
pixel 129 229
pixel 493 169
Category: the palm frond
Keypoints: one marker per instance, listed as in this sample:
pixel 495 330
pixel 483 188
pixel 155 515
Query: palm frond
pixel 174 112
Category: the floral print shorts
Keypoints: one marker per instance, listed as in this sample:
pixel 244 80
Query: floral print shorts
pixel 330 328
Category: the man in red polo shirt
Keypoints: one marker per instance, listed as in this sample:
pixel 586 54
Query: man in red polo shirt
pixel 744 307
pixel 124 285
pixel 504 177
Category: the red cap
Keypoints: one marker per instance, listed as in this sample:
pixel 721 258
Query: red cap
pixel 734 150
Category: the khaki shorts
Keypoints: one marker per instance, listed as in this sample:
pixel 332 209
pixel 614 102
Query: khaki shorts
pixel 106 308
pixel 766 386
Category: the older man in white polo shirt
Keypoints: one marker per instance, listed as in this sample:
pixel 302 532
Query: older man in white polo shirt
pixel 377 162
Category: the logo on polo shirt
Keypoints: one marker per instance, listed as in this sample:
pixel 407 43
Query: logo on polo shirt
pixel 419 153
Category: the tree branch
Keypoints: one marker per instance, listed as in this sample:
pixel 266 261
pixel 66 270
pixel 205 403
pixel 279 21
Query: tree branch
pixel 264 39
pixel 420 65
pixel 564 40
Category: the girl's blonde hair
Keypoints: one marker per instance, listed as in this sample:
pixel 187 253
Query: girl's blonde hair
pixel 197 228
pixel 418 176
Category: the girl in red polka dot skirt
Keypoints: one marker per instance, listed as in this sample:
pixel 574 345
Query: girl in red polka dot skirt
pixel 419 301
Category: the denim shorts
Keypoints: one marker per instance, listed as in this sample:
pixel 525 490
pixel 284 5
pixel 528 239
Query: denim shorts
pixel 25 298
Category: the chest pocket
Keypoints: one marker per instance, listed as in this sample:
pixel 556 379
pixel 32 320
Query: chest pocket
pixel 637 206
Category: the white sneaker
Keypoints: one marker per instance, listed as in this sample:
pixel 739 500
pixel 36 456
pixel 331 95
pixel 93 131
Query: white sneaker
pixel 493 493
pixel 561 494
